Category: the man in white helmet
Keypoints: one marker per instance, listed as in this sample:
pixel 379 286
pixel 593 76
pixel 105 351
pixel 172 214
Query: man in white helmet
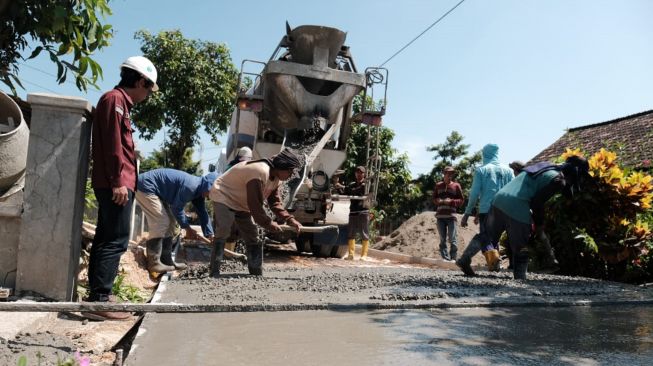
pixel 243 154
pixel 114 177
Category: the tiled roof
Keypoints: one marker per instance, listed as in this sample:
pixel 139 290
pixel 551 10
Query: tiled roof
pixel 631 137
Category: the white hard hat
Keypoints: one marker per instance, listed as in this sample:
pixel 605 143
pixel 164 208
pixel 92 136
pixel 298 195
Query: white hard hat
pixel 244 153
pixel 143 66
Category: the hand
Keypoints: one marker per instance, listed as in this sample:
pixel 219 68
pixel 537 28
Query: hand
pixel 274 227
pixel 463 222
pixel 191 234
pixel 540 235
pixel 447 201
pixel 210 238
pixel 476 220
pixel 294 223
pixel 120 195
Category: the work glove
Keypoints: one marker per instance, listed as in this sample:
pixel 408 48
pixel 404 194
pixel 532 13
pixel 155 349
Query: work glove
pixel 463 222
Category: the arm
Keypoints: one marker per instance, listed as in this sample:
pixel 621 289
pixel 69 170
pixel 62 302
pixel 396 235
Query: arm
pixel 109 120
pixel 205 220
pixel 539 199
pixel 458 200
pixel 474 192
pixel 255 203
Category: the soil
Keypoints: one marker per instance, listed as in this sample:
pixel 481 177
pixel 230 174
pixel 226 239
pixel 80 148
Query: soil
pixel 57 336
pixel 418 236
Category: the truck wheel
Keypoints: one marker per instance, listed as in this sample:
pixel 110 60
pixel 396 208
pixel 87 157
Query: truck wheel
pixel 303 243
pixel 338 251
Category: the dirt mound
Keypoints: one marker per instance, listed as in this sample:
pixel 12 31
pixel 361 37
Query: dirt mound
pixel 418 236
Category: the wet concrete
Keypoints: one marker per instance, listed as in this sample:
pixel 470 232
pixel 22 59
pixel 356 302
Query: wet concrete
pixel 522 336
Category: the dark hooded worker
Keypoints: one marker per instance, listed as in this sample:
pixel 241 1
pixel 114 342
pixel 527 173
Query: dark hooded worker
pixel 239 195
pixel 519 206
pixel 163 194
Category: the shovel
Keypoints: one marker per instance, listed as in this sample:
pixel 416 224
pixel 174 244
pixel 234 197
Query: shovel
pixel 232 254
pixel 328 233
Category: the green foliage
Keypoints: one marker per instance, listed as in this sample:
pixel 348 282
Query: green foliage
pixel 604 231
pixel 59 28
pixel 76 360
pixel 450 153
pixel 197 83
pixel 159 159
pixel 90 201
pixel 126 292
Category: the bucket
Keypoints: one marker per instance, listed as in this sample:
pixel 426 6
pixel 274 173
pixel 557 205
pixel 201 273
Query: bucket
pixel 14 137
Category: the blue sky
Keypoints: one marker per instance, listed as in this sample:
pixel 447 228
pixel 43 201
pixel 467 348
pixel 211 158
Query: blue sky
pixel 512 72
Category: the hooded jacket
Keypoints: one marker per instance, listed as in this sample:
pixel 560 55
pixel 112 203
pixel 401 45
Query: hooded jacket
pixel 489 178
pixel 177 188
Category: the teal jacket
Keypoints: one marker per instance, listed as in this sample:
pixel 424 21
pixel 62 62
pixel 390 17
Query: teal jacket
pixel 528 192
pixel 489 178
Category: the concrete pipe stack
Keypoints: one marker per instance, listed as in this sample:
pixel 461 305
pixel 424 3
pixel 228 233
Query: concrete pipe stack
pixel 14 137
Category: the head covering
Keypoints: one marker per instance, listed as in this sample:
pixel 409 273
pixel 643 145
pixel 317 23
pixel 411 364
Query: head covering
pixel 517 165
pixel 244 154
pixel 285 160
pixel 449 169
pixel 361 168
pixel 490 154
pixel 207 182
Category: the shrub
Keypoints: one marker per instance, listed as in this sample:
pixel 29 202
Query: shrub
pixel 604 230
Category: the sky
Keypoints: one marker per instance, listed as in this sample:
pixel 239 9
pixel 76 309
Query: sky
pixel 512 72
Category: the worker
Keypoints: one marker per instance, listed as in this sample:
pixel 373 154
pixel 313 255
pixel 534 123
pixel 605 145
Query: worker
pixel 488 179
pixel 238 196
pixel 243 154
pixel 447 197
pixel 517 167
pixel 518 208
pixel 359 215
pixel 163 194
pixel 114 177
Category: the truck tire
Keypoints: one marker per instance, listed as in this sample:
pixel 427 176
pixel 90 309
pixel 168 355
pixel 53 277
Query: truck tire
pixel 303 243
pixel 326 251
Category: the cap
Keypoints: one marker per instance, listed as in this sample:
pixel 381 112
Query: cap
pixel 360 168
pixel 517 165
pixel 449 169
pixel 244 153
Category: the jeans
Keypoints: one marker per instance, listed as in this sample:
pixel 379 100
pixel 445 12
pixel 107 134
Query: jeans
pixel 447 229
pixel 110 242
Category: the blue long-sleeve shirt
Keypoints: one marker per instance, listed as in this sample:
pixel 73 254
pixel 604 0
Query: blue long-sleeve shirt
pixel 176 188
pixel 488 180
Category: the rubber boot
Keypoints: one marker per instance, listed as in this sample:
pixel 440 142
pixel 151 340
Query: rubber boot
pixel 154 247
pixel 217 253
pixel 493 260
pixel 230 246
pixel 465 261
pixel 255 259
pixel 521 264
pixel 365 247
pixel 166 254
pixel 351 248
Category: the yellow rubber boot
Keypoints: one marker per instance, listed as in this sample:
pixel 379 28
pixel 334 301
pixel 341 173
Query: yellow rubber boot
pixel 351 244
pixel 366 245
pixel 493 260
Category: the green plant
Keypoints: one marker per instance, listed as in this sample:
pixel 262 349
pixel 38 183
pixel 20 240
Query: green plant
pixel 126 292
pixel 75 360
pixel 59 28
pixel 604 230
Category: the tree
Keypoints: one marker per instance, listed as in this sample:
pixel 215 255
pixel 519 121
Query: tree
pixel 159 159
pixel 197 82
pixel 58 27
pixel 450 153
pixel 395 190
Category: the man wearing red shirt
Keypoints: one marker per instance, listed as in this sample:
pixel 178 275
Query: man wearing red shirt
pixel 114 177
pixel 447 197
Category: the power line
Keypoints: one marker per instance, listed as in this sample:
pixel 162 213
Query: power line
pixel 55 76
pixel 37 85
pixel 419 35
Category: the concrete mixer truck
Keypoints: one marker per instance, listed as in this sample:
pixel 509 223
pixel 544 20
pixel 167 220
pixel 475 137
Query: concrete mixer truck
pixel 301 98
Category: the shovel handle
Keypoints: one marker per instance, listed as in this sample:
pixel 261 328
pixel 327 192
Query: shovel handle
pixel 309 229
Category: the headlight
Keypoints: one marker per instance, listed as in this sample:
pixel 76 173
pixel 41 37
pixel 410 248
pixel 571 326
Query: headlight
pixel 320 181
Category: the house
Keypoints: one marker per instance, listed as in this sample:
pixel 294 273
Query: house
pixel 630 137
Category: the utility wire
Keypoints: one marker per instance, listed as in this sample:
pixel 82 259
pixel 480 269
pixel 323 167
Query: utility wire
pixel 55 76
pixel 419 35
pixel 37 85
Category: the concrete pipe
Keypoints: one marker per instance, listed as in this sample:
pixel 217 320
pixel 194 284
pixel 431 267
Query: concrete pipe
pixel 14 137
